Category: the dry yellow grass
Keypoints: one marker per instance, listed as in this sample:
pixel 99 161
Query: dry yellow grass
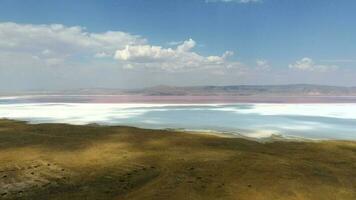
pixel 58 161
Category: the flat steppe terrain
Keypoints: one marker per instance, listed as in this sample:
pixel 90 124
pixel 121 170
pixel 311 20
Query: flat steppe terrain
pixel 58 161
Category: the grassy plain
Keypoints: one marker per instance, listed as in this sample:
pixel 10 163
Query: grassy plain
pixel 58 161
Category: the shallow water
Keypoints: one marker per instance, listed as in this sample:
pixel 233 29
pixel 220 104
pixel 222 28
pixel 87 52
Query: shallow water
pixel 317 121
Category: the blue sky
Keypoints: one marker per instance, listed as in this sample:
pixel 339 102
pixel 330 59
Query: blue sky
pixel 293 41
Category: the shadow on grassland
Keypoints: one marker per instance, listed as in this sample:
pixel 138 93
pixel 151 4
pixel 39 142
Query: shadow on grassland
pixel 112 162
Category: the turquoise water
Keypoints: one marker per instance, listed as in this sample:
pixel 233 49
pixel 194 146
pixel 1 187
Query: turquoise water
pixel 318 121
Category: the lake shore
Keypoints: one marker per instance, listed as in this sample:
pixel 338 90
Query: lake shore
pixel 296 121
pixel 60 161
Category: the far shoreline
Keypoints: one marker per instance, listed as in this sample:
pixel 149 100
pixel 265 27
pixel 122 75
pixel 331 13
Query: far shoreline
pixel 179 99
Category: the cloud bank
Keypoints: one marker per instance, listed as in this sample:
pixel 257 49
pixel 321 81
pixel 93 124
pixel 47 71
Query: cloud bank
pixel 58 56
pixel 56 44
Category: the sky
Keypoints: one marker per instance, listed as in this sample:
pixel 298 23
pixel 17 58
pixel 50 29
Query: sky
pixel 63 45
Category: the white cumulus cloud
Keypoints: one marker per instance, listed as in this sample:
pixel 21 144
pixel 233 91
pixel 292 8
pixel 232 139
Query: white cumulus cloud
pixel 262 64
pixel 181 57
pixel 307 64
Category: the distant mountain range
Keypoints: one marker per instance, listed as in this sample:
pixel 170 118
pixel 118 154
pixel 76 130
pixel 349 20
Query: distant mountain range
pixel 248 90
pixel 231 90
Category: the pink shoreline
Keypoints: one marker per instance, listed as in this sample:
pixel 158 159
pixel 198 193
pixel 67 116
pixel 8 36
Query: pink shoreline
pixel 189 99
